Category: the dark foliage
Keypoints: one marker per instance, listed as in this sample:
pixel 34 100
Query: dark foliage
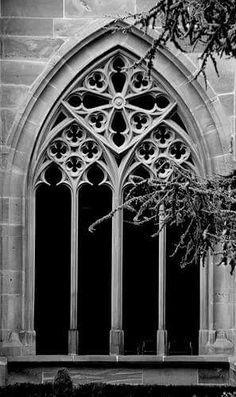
pixel 63 385
pixel 203 209
pixel 27 390
pixel 106 390
pixel 208 25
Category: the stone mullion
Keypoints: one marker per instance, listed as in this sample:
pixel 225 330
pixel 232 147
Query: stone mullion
pixel 73 332
pixel 162 333
pixel 223 310
pixel 206 331
pixel 116 332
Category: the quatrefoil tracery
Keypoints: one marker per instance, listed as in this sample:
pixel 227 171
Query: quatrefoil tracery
pixel 161 150
pixel 73 151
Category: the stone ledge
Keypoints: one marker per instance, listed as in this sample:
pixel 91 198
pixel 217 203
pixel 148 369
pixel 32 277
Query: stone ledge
pixel 162 370
pixel 149 359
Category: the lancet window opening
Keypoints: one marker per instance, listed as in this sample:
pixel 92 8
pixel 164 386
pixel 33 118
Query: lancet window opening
pixel 118 118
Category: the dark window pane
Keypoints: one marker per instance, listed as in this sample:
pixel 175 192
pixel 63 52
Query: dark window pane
pixel 140 293
pixel 94 260
pixel 182 301
pixel 52 278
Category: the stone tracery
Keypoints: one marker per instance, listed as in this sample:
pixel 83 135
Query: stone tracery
pixel 122 122
pixel 118 113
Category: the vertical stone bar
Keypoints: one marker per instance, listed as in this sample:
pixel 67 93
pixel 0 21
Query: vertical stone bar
pixel 29 282
pixel 73 337
pixel 116 332
pixel 223 308
pixel 11 277
pixel 162 333
pixel 203 331
pixel 206 332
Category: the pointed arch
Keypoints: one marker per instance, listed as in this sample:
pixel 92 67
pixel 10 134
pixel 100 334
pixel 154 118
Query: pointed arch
pixel 34 120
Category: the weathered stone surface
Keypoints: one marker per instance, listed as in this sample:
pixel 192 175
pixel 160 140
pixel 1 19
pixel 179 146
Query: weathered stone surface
pixel 11 251
pixel 12 96
pixel 4 209
pixel 227 101
pixel 70 27
pixel 29 8
pixel 10 311
pixel 213 142
pixel 144 5
pixel 225 82
pixel 11 281
pixel 20 72
pixel 30 48
pixel 93 8
pixel 167 376
pixel 213 376
pixel 7 117
pixel 15 210
pixel 27 26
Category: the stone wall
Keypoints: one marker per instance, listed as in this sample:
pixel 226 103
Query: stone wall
pixel 34 34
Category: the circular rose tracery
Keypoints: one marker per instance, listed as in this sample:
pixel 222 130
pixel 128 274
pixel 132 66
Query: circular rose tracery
pixel 127 111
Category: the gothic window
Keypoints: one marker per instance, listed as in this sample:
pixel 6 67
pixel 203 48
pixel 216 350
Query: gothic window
pixel 113 122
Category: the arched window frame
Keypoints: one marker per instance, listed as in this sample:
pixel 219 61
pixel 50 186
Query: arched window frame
pixel 115 175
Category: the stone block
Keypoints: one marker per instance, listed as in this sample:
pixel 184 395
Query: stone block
pixel 7 118
pixel 91 8
pixel 15 210
pixel 30 48
pixel 146 5
pixel 20 72
pixel 4 158
pixel 11 252
pixel 31 8
pixel 10 230
pixel 4 209
pixel 225 82
pixel 12 96
pixel 11 281
pixel 227 102
pixel 11 345
pixel 10 311
pixel 213 142
pixel 222 164
pixel 27 26
pixel 213 376
pixel 168 376
pixel 71 27
pixel 14 182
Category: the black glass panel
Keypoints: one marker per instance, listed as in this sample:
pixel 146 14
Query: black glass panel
pixel 118 122
pixel 118 78
pixel 94 260
pixel 75 100
pixel 182 300
pixel 52 273
pixel 143 101
pixel 140 287
pixel 91 101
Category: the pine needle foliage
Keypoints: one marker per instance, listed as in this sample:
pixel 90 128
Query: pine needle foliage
pixel 207 26
pixel 203 210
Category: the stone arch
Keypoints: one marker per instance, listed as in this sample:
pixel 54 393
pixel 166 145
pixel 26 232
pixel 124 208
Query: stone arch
pixel 194 104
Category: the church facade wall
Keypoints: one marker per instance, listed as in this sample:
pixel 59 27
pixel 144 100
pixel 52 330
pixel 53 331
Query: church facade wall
pixel 44 45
